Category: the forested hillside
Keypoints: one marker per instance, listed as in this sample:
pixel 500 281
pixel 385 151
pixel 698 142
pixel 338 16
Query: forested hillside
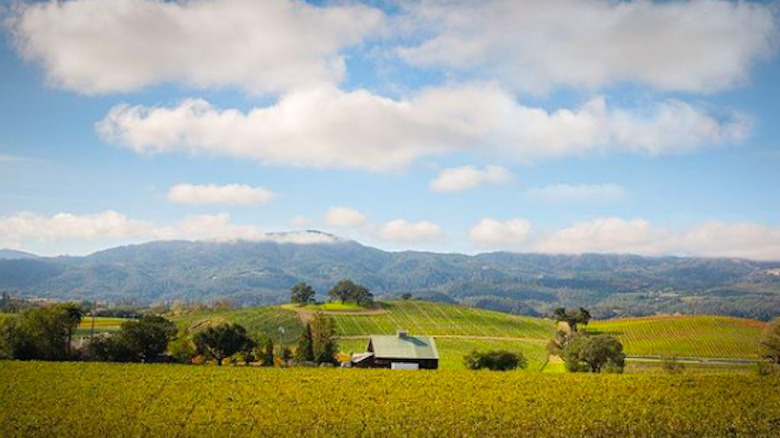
pixel 262 272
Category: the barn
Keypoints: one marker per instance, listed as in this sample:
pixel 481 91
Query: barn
pixel 401 351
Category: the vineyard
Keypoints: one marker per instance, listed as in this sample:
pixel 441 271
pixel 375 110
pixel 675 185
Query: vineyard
pixel 687 336
pixel 176 400
pixel 264 321
pixel 433 319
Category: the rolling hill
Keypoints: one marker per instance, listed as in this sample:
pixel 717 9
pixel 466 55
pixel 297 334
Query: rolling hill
pixel 459 330
pixel 261 272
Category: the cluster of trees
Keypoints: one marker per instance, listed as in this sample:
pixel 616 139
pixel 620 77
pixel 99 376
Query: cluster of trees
pixel 582 351
pixel 345 290
pixel 770 348
pixel 317 343
pixel 496 360
pixel 44 333
pixel 143 340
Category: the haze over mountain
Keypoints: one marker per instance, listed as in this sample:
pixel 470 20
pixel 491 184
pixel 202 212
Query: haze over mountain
pixel 262 272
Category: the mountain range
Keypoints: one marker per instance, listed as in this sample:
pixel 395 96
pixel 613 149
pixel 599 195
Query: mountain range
pixel 262 272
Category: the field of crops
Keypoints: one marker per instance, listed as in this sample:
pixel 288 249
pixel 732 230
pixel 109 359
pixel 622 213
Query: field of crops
pixel 176 400
pixel 687 336
pixel 432 319
pixel 101 325
pixel 262 320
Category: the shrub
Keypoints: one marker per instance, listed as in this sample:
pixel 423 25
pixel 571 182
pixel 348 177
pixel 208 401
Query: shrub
pixel 496 360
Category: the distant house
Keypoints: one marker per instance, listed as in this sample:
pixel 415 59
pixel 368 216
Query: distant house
pixel 401 351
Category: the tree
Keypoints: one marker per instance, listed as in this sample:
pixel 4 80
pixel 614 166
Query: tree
pixel 148 337
pixel 593 353
pixel 305 350
pixel 323 333
pixel 346 290
pixel 222 341
pixel 770 341
pixel 107 348
pixel 406 296
pixel 496 360
pixel 43 333
pixel 572 317
pixel 302 294
pixel 268 358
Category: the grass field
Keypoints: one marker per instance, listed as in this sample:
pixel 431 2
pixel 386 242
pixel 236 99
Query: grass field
pixel 102 325
pixel 174 400
pixel 329 307
pixel 686 336
pixel 433 319
pixel 265 321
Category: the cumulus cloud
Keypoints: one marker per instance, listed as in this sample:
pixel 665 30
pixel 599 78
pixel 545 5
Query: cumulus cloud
pixel 111 226
pixel 590 193
pixel 346 217
pixel 638 236
pixel 229 194
pixel 317 128
pixel 101 46
pixel 496 234
pixel 403 231
pixel 534 46
pixel 458 179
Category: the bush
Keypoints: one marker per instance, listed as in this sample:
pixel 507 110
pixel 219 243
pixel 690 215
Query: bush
pixel 672 365
pixel 496 360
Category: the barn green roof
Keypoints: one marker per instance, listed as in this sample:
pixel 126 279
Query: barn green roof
pixel 403 346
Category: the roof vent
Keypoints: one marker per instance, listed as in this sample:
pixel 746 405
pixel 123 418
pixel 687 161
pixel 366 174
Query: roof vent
pixel 403 334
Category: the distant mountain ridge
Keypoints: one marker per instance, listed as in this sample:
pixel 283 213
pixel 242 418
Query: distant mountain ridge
pixel 261 272
pixel 12 254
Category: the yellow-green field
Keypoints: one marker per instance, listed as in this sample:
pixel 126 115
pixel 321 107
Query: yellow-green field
pixel 434 319
pixel 264 321
pixel 686 336
pixel 91 400
pixel 101 325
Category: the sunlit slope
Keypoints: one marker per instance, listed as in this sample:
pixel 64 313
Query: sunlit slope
pixel 689 336
pixel 275 322
pixel 436 319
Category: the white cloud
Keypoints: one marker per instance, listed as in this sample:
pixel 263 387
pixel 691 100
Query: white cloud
pixel 110 228
pixel 402 231
pixel 101 46
pixel 495 234
pixel 458 179
pixel 345 217
pixel 579 193
pixel 229 194
pixel 533 46
pixel 638 236
pixel 316 128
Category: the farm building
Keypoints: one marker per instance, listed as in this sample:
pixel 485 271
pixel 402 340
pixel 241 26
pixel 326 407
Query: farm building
pixel 401 351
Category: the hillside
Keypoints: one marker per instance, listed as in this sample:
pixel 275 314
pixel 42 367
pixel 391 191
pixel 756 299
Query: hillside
pixel 260 273
pixel 459 330
pixel 687 336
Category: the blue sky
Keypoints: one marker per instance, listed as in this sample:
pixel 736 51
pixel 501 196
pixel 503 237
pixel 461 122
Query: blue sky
pixel 445 126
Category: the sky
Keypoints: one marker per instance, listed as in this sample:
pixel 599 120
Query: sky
pixel 564 126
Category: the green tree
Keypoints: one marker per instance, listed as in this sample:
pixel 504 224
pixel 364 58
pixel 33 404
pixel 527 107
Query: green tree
pixel 305 350
pixel 108 348
pixel 323 333
pixel 148 337
pixel 222 341
pixel 40 334
pixel 572 318
pixel 496 360
pixel 302 294
pixel 268 350
pixel 347 290
pixel 406 296
pixel 770 341
pixel 594 353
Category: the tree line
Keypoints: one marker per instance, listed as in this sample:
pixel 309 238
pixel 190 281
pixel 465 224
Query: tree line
pixel 48 334
pixel 344 291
